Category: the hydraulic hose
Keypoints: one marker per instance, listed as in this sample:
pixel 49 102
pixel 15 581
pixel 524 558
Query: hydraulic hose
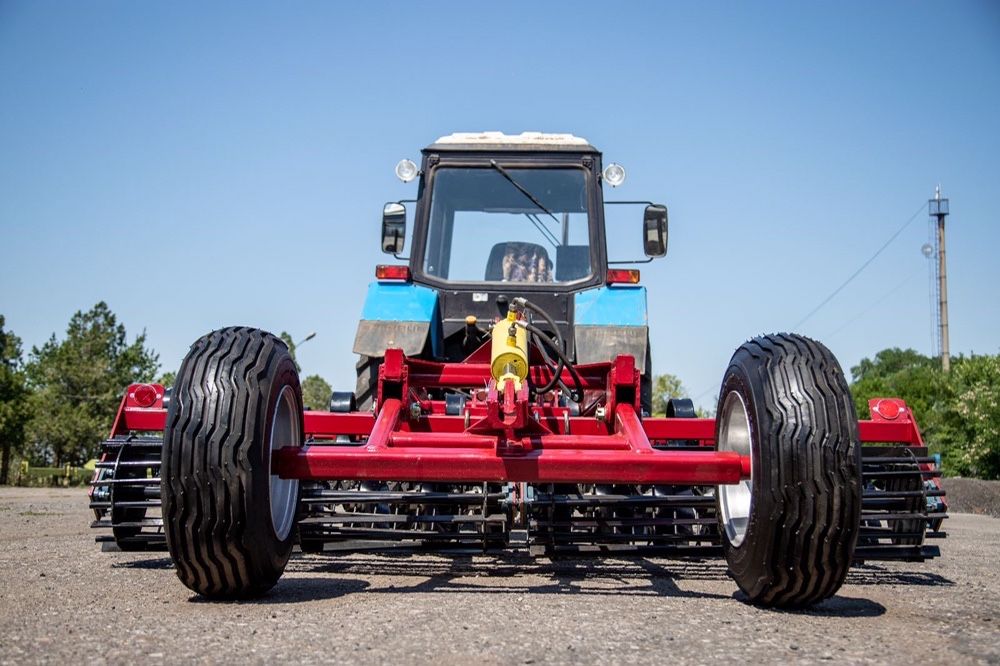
pixel 542 340
pixel 575 396
pixel 557 363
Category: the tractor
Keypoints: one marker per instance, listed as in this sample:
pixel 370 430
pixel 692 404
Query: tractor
pixel 504 401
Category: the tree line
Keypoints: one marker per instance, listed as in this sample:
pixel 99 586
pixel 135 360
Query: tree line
pixel 958 412
pixel 58 402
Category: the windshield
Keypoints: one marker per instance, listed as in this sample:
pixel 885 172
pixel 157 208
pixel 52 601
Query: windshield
pixel 498 224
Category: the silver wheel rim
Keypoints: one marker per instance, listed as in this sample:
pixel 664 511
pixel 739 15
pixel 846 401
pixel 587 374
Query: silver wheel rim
pixel 735 501
pixel 283 492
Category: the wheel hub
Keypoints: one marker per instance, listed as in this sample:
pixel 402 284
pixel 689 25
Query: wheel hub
pixel 735 500
pixel 284 492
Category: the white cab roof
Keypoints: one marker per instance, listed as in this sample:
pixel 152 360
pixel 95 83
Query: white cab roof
pixel 522 139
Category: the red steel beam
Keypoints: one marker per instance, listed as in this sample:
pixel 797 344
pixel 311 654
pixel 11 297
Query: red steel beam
pixel 327 424
pixel 385 424
pixel 889 432
pixel 624 457
pixel 540 465
pixel 661 428
pixel 628 425
pixel 134 419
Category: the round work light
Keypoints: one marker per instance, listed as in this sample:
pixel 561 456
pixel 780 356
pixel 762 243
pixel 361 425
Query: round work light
pixel 614 174
pixel 406 170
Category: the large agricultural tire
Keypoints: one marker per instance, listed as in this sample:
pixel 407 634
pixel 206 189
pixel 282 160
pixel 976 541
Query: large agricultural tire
pixel 367 386
pixel 789 532
pixel 229 523
pixel 646 386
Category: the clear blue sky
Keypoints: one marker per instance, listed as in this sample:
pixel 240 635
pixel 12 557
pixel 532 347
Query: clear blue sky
pixel 197 167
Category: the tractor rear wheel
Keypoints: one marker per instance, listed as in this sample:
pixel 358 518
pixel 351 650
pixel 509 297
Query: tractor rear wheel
pixel 367 386
pixel 646 386
pixel 789 532
pixel 229 522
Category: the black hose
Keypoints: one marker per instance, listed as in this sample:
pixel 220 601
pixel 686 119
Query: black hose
pixel 558 364
pixel 560 349
pixel 575 396
pixel 523 302
pixel 556 374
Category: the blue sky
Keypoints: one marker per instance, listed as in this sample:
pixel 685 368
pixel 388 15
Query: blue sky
pixel 198 166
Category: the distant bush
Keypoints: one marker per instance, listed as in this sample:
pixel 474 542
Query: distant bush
pixel 958 412
pixel 36 477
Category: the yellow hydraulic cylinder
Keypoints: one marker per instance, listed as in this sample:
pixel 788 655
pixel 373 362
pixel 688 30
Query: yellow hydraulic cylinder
pixel 509 358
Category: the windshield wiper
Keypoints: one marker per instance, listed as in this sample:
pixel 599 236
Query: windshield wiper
pixel 543 230
pixel 531 197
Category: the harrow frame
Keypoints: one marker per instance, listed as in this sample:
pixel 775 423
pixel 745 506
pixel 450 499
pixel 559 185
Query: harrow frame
pixel 411 438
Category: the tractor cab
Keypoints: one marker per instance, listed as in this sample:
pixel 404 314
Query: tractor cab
pixel 504 216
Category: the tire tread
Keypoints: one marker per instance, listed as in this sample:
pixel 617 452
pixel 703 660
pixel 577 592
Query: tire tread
pixel 218 412
pixel 808 440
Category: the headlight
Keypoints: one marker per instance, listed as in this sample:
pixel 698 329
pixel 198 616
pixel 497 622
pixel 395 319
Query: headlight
pixel 614 174
pixel 406 170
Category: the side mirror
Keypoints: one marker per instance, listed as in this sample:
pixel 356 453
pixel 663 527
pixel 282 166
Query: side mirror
pixel 393 228
pixel 654 230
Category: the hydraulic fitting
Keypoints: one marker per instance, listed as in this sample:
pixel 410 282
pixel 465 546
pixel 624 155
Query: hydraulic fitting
pixel 509 357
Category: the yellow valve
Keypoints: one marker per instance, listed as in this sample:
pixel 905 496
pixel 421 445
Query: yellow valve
pixel 509 353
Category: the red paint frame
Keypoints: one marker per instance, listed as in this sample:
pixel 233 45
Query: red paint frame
pixel 548 446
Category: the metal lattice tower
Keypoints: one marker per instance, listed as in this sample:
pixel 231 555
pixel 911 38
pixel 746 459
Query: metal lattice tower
pixel 938 208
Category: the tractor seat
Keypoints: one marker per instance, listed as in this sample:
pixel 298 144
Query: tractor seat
pixel 515 261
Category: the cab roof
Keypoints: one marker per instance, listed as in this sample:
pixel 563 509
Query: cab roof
pixel 493 141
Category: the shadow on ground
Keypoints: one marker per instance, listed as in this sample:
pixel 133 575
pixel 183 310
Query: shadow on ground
pixel 875 574
pixel 837 606
pixel 507 573
pixel 297 590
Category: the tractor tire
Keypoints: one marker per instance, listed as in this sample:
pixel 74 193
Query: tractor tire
pixel 646 386
pixel 229 523
pixel 364 393
pixel 789 532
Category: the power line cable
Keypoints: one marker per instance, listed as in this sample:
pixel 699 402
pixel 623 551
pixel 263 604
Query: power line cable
pixel 863 267
pixel 846 282
pixel 875 303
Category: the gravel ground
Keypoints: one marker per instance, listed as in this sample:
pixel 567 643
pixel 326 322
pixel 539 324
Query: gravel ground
pixel 62 599
pixel 973 496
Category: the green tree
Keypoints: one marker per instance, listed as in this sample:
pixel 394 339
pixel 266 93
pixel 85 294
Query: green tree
pixel 974 416
pixel 167 379
pixel 906 374
pixel 665 387
pixel 286 337
pixel 316 392
pixel 958 412
pixel 14 408
pixel 917 379
pixel 78 382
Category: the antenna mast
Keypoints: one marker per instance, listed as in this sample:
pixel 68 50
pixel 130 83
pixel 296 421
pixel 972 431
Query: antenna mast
pixel 938 208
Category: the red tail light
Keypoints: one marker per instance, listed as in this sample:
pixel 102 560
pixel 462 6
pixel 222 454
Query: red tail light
pixel 887 409
pixel 144 395
pixel 623 276
pixel 386 272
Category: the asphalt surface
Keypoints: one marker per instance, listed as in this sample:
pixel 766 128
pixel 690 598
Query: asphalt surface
pixel 62 599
